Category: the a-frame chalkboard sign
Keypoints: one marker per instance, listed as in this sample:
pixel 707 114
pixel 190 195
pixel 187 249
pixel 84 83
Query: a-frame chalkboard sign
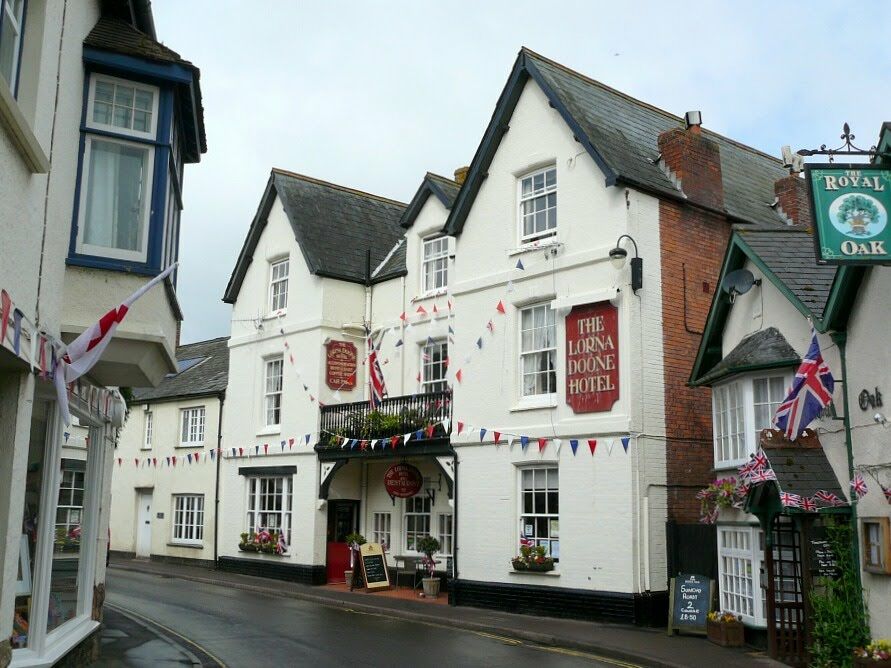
pixel 690 601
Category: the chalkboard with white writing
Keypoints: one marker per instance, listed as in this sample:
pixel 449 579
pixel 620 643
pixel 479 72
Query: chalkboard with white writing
pixel 823 560
pixel 690 602
pixel 374 566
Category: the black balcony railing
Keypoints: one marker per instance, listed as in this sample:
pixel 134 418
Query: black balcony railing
pixel 430 413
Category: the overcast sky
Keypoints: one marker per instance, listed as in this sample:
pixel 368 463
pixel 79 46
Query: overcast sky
pixel 373 94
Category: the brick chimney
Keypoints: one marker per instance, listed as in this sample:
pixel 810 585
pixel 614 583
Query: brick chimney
pixel 792 202
pixel 694 162
pixel 461 175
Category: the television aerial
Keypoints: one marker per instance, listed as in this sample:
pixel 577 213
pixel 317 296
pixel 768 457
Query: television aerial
pixel 739 282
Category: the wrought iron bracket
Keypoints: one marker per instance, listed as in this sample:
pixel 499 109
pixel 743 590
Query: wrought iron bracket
pixel 848 148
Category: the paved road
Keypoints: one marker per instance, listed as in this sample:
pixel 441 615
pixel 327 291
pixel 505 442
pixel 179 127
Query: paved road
pixel 242 628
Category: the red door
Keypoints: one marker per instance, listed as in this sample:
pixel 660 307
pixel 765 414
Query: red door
pixel 343 518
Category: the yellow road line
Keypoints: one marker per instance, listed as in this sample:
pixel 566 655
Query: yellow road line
pixel 127 611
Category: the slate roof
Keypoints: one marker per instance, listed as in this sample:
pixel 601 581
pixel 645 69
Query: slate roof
pixel 208 377
pixel 803 471
pixel 393 265
pixel 333 225
pixel 444 189
pixel 448 187
pixel 118 36
pixel 789 252
pixel 763 349
pixel 622 133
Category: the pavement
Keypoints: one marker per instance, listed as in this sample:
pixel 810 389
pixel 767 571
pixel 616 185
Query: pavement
pixel 630 644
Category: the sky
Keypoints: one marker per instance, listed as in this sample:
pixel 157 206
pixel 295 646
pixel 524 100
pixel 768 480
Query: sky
pixel 373 94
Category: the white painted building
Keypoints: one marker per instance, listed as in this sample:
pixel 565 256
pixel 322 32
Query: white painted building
pixel 523 429
pixel 91 109
pixel 164 483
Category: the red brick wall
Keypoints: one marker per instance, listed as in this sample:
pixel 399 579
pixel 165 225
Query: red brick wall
pixel 791 192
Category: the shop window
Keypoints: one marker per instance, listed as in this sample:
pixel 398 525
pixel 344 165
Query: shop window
pixel 538 350
pixel 381 529
pixel 71 501
pixel 188 518
pixel 876 545
pixel 433 366
pixel 192 426
pixel 739 572
pixel 445 535
pixel 278 285
pixel 435 264
pixel 269 505
pixel 538 205
pixel 540 509
pixel 417 520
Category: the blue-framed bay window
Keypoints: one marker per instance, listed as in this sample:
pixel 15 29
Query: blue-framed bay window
pixel 128 197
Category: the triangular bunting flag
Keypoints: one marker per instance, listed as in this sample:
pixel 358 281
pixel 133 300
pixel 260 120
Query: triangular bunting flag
pixel 67 436
pixel 542 444
pixel 510 441
pixel 625 441
pixel 306 437
pixel 189 458
pixel 482 433
pixel 460 427
pixel 290 443
pixel 429 430
pixel 421 310
pixel 398 343
pixel 574 444
pixel 266 448
pixel 500 307
pixel 520 265
pixel 479 343
pixel 497 436
pixel 241 452
pixel 405 438
pixel 256 450
pixel 458 375
pixel 393 441
pixel 524 441
pixel 558 443
pixel 610 442
pixel 430 341
pixel 510 287
pixel 592 443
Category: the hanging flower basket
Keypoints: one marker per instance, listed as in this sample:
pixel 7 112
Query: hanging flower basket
pixel 725 629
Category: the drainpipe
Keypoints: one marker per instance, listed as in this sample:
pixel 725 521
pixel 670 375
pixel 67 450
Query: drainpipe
pixel 841 339
pixel 216 494
pixel 455 520
pixel 367 320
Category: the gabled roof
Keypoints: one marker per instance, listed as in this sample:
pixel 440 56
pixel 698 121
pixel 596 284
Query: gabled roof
pixel 393 265
pixel 115 35
pixel 334 226
pixel 803 471
pixel 620 134
pixel 765 349
pixel 443 188
pixel 205 377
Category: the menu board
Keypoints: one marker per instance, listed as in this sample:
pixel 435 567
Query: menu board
pixel 690 602
pixel 823 560
pixel 374 566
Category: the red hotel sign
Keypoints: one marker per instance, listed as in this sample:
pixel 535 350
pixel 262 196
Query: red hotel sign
pixel 592 357
pixel 403 480
pixel 340 365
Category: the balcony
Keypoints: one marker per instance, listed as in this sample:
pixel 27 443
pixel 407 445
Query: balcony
pixel 430 413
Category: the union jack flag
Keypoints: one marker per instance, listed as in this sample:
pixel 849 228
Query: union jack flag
pixel 759 460
pixel 764 475
pixel 887 492
pixel 526 542
pixel 811 392
pixel 828 497
pixel 808 504
pixel 377 390
pixel 790 500
pixel 858 486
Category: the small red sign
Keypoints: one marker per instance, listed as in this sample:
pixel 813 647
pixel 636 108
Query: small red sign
pixel 592 357
pixel 340 365
pixel 403 480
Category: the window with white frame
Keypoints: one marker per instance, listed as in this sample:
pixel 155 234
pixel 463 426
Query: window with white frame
pixel 445 534
pixel 188 518
pixel 71 503
pixel 273 395
pixel 12 17
pixel 381 523
pixel 741 408
pixel 122 106
pixel 435 264
pixel 538 204
pixel 540 509
pixel 192 426
pixel 434 363
pixel 269 505
pixel 149 428
pixel 416 521
pixel 278 285
pixel 740 550
pixel 538 350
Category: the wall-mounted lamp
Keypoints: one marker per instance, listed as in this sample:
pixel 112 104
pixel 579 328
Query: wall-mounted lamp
pixel 618 255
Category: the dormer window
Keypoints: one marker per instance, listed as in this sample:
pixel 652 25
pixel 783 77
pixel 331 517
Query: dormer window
pixel 435 264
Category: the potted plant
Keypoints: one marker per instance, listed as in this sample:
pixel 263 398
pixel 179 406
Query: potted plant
pixel 534 559
pixel 725 629
pixel 720 494
pixel 428 546
pixel 353 541
pixel 876 653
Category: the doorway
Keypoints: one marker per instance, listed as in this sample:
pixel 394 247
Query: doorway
pixel 343 519
pixel 786 612
pixel 144 523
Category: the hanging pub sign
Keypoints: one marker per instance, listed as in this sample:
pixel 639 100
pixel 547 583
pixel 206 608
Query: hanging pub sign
pixel 592 357
pixel 850 206
pixel 340 365
pixel 403 480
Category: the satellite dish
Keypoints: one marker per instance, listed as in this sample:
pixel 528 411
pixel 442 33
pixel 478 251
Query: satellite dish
pixel 738 282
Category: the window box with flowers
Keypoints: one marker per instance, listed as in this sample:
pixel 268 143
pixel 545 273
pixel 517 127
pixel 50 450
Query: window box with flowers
pixel 265 542
pixel 725 629
pixel 533 559
pixel 876 653
pixel 721 494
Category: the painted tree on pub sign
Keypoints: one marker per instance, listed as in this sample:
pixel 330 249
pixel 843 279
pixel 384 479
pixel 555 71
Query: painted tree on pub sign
pixel 859 212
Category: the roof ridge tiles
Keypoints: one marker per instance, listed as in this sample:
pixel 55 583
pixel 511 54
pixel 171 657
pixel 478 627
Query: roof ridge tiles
pixel 568 70
pixel 444 178
pixel 336 186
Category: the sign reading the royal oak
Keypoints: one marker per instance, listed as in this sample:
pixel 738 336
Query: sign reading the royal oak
pixel 850 206
pixel 340 365
pixel 592 357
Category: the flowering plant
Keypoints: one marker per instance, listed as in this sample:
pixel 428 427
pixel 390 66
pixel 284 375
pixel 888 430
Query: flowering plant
pixel 533 558
pixel 877 650
pixel 263 541
pixel 721 493
pixel 723 617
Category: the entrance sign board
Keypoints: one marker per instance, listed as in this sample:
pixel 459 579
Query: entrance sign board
pixel 592 357
pixel 403 480
pixel 690 600
pixel 374 566
pixel 850 205
pixel 340 365
pixel 823 560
